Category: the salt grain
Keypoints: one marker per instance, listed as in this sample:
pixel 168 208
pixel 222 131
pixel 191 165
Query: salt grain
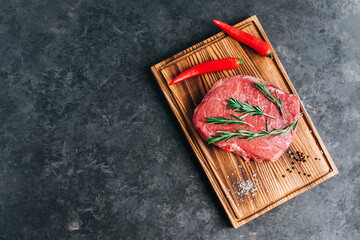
pixel 247 187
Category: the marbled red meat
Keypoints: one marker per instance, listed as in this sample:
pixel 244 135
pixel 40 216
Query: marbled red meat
pixel 243 89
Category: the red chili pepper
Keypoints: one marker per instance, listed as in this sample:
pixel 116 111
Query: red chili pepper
pixel 207 67
pixel 255 43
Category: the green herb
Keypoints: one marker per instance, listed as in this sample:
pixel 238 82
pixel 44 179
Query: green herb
pixel 223 121
pixel 245 107
pixel 249 135
pixel 261 86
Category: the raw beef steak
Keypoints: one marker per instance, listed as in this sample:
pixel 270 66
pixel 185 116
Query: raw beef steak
pixel 242 88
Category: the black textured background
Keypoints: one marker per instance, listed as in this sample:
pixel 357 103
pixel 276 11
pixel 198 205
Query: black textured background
pixel 89 148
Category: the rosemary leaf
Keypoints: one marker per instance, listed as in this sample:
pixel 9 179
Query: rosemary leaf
pixel 245 107
pixel 249 135
pixel 223 121
pixel 261 86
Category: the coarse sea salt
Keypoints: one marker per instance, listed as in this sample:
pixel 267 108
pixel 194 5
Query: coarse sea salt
pixel 244 188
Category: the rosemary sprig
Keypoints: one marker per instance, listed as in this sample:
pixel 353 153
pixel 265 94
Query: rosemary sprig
pixel 261 86
pixel 249 135
pixel 223 121
pixel 245 107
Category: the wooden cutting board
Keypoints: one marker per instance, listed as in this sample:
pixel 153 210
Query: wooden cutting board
pixel 246 190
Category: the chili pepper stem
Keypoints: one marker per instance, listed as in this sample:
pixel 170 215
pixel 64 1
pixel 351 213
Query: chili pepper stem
pixel 270 56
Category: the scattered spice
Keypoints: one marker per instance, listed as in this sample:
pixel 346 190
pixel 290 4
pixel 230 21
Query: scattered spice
pixel 241 188
pixel 299 157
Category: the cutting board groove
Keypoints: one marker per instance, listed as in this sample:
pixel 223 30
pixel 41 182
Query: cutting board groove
pixel 246 190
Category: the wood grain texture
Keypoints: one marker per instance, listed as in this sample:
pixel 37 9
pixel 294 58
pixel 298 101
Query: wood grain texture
pixel 246 190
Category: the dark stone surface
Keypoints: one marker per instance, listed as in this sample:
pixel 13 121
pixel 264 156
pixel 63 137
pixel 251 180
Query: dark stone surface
pixel 89 148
